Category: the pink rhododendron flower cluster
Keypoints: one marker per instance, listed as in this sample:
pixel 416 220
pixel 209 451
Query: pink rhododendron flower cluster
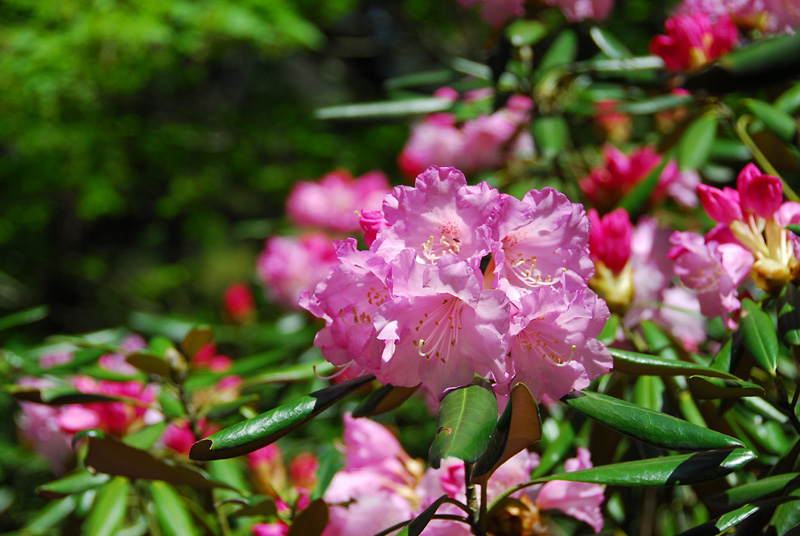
pixel 578 10
pixel 768 16
pixel 750 239
pixel 378 488
pixel 486 142
pixel 693 40
pixel 606 185
pixel 416 308
pixel 497 12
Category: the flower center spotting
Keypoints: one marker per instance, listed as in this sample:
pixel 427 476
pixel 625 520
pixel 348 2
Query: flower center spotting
pixel 436 332
pixel 374 297
pixel 543 345
pixel 521 265
pixel 449 241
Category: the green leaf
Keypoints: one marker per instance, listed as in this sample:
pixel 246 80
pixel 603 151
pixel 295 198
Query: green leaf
pixel 789 101
pixel 518 428
pixel 609 333
pixel 146 437
pixel 556 450
pixel 387 398
pixel 654 104
pixel 149 362
pixel 794 227
pixel 523 32
pixel 384 109
pixel 196 339
pixel 255 505
pixel 418 524
pixel 76 482
pixel 695 145
pixel 764 488
pixel 561 52
pixel 652 427
pixel 57 396
pixel 644 364
pixel 551 134
pixel 789 315
pixel 725 149
pixel 262 430
pixel 109 509
pixel 20 318
pixel 109 455
pixel 608 44
pixel 310 521
pixel 291 373
pixel 467 417
pixel 329 464
pixel 776 120
pixel 705 387
pixel 171 513
pixel 636 200
pixel 50 515
pixel 171 404
pixel 759 335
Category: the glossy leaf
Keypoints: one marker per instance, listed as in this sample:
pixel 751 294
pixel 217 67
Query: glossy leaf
pixel 171 513
pixel 384 109
pixel 518 428
pixel 608 44
pixel 776 120
pixel 640 364
pixel 76 482
pixel 262 430
pixel 387 398
pixel 705 387
pixel 196 339
pixel 523 32
pixel 696 142
pixel 108 455
pixel 789 315
pixel 652 427
pixel 465 423
pixel 109 509
pixel 551 134
pixel 311 520
pixel 760 489
pixel 759 335
pixel 654 104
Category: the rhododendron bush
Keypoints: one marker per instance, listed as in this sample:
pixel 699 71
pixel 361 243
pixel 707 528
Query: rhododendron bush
pixel 569 307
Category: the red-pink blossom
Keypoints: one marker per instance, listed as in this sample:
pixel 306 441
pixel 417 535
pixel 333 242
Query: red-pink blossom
pixel 332 202
pixel 693 40
pixel 768 16
pixel 372 221
pixel 179 437
pixel 208 358
pixel 239 303
pixel 610 241
pixel 116 362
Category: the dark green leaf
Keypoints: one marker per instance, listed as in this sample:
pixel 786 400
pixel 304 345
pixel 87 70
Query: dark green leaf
pixel 654 104
pixel 523 32
pixel 108 455
pixel 387 398
pixel 695 145
pixel 551 134
pixel 759 335
pixel 196 339
pixel 329 464
pixel 399 108
pixel 635 201
pixel 171 513
pixel 467 417
pixel 705 387
pixel 561 52
pixel 311 521
pixel 776 120
pixel 109 508
pixel 789 101
pixel 419 523
pixel 57 395
pixel 20 318
pixel 641 364
pixel 149 362
pixel 610 45
pixel 146 437
pixel 76 482
pixel 789 315
pixel 652 427
pixel 761 489
pixel 262 430
pixel 795 228
pixel 255 505
pixel 518 428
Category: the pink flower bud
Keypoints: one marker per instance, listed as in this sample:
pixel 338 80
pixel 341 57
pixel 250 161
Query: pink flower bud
pixel 303 470
pixel 760 194
pixel 239 302
pixel 372 221
pixel 721 205
pixel 610 241
pixel 692 40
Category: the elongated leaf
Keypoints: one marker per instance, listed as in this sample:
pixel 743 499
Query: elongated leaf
pixel 609 333
pixel 789 101
pixel 108 455
pixel 551 134
pixel 789 315
pixel 387 398
pixel 311 521
pixel 518 428
pixel 775 119
pixel 255 505
pixel 419 523
pixel 329 464
pixel 50 515
pixel 610 45
pixel 171 513
pixel 654 104
pixel 724 149
pixel 695 145
pixel 292 373
pixel 149 362
pixel 262 430
pixel 759 335
pixel 635 201
pixel 146 437
pixel 109 508
pixel 467 417
pixel 640 364
pixel 562 51
pixel 57 396
pixel 196 339
pixel 704 387
pixel 76 482
pixel 27 316
pixel 761 489
pixel 384 109
pixel 556 450
pixel 526 32
pixel 652 427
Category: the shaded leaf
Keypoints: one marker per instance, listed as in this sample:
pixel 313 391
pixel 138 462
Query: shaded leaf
pixel 76 482
pixel 789 101
pixel 109 508
pixel 654 104
pixel 551 135
pixel 704 387
pixel 776 120
pixel 171 513
pixel 149 362
pixel 255 505
pixel 789 314
pixel 759 335
pixel 57 395
pixel 760 489
pixel 262 430
pixel 311 521
pixel 562 51
pixel 387 398
pixel 418 524
pixel 108 455
pixel 556 450
pixel 636 363
pixel 652 427
pixel 609 333
pixel 194 341
pixel 467 417
pixel 518 428
pixel 20 318
pixel 610 45
pixel 727 521
pixel 695 145
pixel 329 464
pixel 146 437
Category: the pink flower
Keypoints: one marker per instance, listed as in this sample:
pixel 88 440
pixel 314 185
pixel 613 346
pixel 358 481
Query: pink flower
pixel 759 194
pixel 38 426
pixel 208 358
pixel 372 221
pixel 610 241
pixel 692 40
pixel 239 303
pixel 287 266
pixel 279 528
pixel 577 499
pixel 116 362
pixel 303 470
pixel 722 205
pixel 497 12
pixel 53 360
pixel 578 10
pixel 614 125
pixel 768 16
pixel 332 202
pixel 434 141
pixel 179 436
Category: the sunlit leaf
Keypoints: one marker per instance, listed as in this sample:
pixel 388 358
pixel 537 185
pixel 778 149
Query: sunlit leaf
pixel 654 104
pixel 171 513
pixel 78 481
pixel 775 119
pixel 695 145
pixel 384 109
pixel 760 489
pixel 636 363
pixel 109 508
pixel 705 387
pixel 526 32
pixel 551 134
pixel 610 45
pixel 759 335
pixel 146 437
pixel 562 51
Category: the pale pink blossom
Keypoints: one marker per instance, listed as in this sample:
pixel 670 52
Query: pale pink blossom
pixel 497 12
pixel 289 265
pixel 578 10
pixel 768 16
pixel 117 362
pixel 332 202
pixel 693 40
pixel 48 361
pixel 38 426
pixel 436 140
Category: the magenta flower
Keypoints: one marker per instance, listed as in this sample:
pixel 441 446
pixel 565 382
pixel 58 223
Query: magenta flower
pixel 332 202
pixel 38 427
pixel 578 10
pixel 208 358
pixel 239 304
pixel 768 16
pixel 610 241
pixel 434 141
pixel 371 221
pixel 287 266
pixel 179 437
pixel 116 418
pixel 117 362
pixel 693 40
